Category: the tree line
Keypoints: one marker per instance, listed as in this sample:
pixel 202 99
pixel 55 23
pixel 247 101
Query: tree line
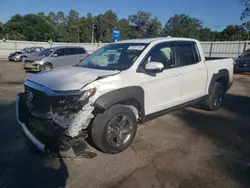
pixel 59 27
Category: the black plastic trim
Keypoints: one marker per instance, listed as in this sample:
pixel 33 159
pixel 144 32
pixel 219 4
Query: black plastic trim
pixel 166 111
pixel 222 73
pixel 123 94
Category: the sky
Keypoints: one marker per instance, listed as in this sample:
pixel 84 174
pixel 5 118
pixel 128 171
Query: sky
pixel 215 14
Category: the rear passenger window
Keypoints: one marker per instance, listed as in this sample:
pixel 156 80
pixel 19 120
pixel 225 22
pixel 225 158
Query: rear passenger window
pixel 188 54
pixel 69 51
pixel 80 51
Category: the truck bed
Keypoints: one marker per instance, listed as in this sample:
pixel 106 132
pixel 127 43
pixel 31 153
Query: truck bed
pixel 214 58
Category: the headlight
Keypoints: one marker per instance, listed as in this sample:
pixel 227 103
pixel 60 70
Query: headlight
pixel 75 102
pixel 86 94
pixel 79 98
pixel 36 62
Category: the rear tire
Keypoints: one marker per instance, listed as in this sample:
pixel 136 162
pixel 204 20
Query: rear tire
pixel 47 67
pixel 114 130
pixel 215 99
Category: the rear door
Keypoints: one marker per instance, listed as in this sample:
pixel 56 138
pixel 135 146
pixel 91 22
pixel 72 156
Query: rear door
pixel 70 57
pixel 81 54
pixel 193 70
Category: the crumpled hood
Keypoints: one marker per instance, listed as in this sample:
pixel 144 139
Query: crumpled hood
pixel 68 78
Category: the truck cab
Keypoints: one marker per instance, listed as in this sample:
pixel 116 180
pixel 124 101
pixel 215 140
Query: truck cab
pixel 117 87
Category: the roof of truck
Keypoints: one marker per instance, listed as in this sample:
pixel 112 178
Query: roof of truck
pixel 158 39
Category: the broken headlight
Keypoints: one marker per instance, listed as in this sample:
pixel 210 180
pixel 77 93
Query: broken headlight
pixel 86 94
pixel 74 102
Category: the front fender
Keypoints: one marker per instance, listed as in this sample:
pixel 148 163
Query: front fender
pixel 123 94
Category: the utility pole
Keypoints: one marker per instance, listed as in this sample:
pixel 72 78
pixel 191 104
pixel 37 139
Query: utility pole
pixel 92 33
pixel 78 37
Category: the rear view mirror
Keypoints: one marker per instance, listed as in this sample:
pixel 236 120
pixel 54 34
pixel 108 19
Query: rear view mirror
pixel 54 55
pixel 154 67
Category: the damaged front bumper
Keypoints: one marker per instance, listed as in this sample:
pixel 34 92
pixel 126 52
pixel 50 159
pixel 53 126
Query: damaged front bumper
pixel 47 134
pixel 26 131
pixel 32 67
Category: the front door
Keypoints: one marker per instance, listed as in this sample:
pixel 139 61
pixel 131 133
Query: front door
pixel 162 90
pixel 58 57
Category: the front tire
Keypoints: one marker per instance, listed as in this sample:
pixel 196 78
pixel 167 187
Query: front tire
pixel 22 59
pixel 114 130
pixel 215 98
pixel 47 67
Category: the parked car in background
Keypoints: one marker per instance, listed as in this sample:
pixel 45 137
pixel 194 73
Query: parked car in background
pixel 24 53
pixel 117 87
pixel 51 58
pixel 242 64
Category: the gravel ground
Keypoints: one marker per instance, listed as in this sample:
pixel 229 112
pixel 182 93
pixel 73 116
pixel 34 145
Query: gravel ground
pixel 188 148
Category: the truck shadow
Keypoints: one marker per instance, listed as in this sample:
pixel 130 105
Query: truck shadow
pixel 230 132
pixel 20 166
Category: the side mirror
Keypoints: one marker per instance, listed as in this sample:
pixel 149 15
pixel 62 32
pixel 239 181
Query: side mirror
pixel 239 56
pixel 54 55
pixel 154 67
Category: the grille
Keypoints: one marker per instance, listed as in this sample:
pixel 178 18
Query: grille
pixel 30 61
pixel 244 65
pixel 36 99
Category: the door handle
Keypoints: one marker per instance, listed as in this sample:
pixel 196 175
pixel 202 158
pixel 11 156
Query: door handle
pixel 201 69
pixel 176 74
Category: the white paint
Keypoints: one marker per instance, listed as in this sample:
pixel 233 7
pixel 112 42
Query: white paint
pixel 164 90
pixel 74 122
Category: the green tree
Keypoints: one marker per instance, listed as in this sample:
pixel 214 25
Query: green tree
pixel 73 15
pixel 108 21
pixel 52 17
pixel 41 14
pixel 140 24
pixel 124 27
pixel 233 33
pixel 154 29
pixel 246 12
pixel 183 26
pixel 206 34
pixel 60 18
pixel 1 30
pixel 29 27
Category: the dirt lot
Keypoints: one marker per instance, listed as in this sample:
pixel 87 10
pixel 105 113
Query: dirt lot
pixel 188 148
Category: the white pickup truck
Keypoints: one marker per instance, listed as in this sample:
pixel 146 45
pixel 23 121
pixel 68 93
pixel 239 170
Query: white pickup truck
pixel 117 87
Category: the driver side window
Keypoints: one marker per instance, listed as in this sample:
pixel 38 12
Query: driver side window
pixel 59 52
pixel 162 53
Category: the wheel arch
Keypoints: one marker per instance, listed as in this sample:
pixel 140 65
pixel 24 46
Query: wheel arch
pixel 222 77
pixel 47 63
pixel 132 96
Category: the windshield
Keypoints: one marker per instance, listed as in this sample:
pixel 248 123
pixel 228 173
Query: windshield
pixel 46 52
pixel 114 56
